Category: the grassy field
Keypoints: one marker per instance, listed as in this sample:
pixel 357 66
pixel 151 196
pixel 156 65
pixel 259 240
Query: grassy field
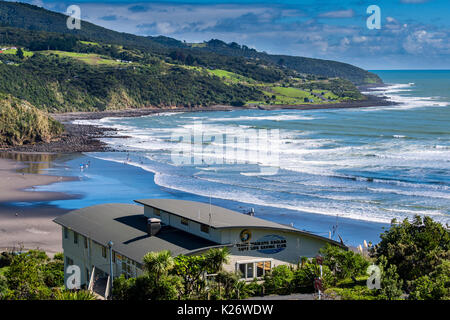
pixel 231 76
pixel 90 43
pixel 327 94
pixel 89 58
pixel 14 51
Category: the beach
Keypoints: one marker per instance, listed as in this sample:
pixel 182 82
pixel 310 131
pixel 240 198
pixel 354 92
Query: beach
pixel 25 219
pixel 344 170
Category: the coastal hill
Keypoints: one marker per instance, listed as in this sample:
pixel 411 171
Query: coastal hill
pixel 31 17
pixel 55 69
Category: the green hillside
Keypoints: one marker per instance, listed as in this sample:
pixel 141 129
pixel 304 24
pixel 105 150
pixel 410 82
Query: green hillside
pixel 213 53
pixel 21 123
pixel 318 67
pixel 94 69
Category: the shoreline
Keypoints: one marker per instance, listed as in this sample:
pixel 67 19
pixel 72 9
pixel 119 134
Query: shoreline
pixel 85 138
pixel 26 222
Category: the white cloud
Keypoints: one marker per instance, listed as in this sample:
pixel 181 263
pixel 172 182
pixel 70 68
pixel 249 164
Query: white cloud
pixel 338 14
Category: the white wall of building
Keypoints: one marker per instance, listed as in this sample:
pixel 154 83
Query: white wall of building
pixel 85 258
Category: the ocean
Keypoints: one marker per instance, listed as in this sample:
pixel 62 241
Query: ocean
pixel 345 172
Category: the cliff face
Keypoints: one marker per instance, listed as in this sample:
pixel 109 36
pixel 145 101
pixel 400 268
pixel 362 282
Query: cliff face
pixel 22 123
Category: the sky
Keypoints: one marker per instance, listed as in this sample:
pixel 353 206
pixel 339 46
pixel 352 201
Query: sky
pixel 413 34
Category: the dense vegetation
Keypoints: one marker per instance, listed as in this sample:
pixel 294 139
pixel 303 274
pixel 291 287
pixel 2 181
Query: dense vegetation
pixel 21 122
pixel 212 54
pixel 32 275
pixel 318 67
pixel 57 83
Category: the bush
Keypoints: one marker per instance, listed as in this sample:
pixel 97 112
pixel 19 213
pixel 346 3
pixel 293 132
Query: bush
pixel 3 287
pixel 32 274
pixel 227 282
pixel 416 247
pixel 145 288
pixel 6 259
pixel 435 286
pixel 53 273
pixel 391 283
pixel 252 289
pixel 58 256
pixel 73 295
pixel 344 263
pixel 304 276
pixel 278 281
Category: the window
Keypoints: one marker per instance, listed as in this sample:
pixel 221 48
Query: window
pixel 259 269
pixel 85 242
pixel 157 212
pixel 114 257
pixel 242 270
pixel 254 269
pixel 66 233
pixel 184 221
pixel 204 228
pixel 75 237
pixel 249 270
pixel 103 252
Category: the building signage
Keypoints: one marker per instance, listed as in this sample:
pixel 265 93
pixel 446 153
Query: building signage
pixel 269 244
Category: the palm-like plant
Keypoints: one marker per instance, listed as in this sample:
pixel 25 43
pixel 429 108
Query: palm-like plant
pixel 158 263
pixel 216 258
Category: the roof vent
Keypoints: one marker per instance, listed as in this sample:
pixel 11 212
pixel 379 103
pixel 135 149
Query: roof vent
pixel 153 226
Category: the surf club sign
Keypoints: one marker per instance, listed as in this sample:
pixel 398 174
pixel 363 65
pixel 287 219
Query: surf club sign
pixel 268 244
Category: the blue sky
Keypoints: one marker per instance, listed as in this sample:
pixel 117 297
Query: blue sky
pixel 414 34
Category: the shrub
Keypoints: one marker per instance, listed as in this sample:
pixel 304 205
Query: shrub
pixel 304 276
pixel 3 287
pixel 227 281
pixel 416 247
pixel 73 295
pixel 344 263
pixel 58 256
pixel 435 286
pixel 5 259
pixel 391 283
pixel 252 289
pixel 278 281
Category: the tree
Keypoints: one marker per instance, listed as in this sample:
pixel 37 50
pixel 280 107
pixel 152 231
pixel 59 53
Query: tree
pixel 158 263
pixel 19 53
pixel 26 276
pixel 344 263
pixel 216 258
pixel 229 282
pixel 191 269
pixel 416 248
